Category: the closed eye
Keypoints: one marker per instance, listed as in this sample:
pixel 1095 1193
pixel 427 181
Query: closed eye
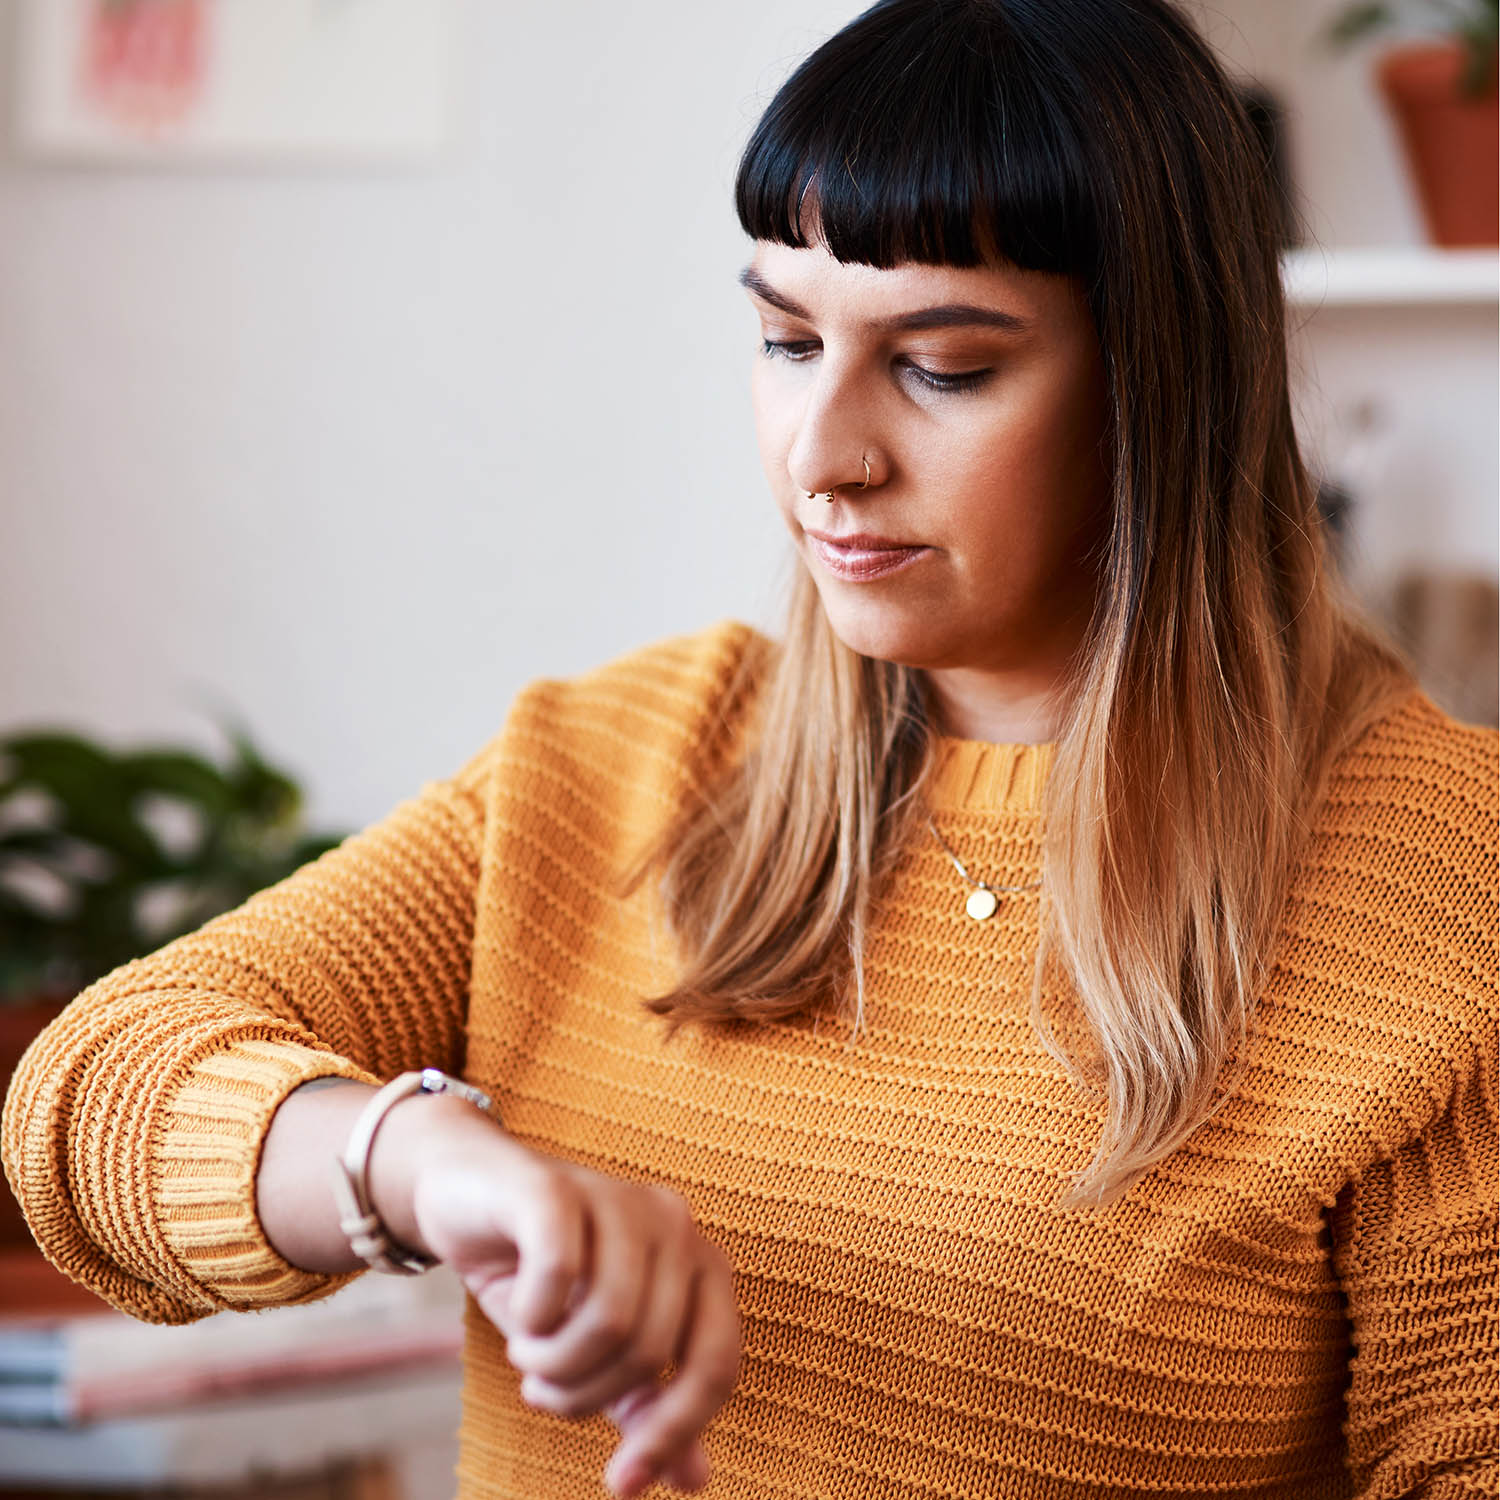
pixel 793 349
pixel 800 350
pixel 938 380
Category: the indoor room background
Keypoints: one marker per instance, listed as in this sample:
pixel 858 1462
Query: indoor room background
pixel 355 451
pixel 343 447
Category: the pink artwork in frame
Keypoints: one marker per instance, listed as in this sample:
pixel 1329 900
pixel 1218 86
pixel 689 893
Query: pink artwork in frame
pixel 171 81
pixel 145 65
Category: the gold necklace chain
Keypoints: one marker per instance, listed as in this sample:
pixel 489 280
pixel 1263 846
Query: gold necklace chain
pixel 984 900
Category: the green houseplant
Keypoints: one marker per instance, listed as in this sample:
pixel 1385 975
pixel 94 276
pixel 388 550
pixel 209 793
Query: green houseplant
pixel 1442 96
pixel 106 855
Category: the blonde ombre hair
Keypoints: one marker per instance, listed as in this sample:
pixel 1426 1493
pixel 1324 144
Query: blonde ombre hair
pixel 1222 672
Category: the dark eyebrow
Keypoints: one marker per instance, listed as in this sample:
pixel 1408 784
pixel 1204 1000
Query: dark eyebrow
pixel 954 315
pixel 754 282
pixel 948 315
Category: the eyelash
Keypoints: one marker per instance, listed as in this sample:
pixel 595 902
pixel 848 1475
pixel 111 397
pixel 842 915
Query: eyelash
pixel 969 380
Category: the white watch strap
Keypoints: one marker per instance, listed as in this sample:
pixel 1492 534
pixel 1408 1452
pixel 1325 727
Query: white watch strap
pixel 357 1217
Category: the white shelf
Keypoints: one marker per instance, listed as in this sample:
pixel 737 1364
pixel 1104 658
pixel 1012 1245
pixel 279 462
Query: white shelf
pixel 1405 276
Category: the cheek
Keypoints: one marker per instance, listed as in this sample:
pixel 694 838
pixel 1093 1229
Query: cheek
pixel 771 431
pixel 990 478
pixel 773 436
pixel 1041 456
pixel 1024 502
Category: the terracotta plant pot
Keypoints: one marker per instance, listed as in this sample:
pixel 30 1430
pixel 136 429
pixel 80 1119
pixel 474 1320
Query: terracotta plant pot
pixel 1450 140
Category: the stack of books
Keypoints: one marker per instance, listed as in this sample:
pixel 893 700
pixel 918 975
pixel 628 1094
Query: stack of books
pixel 69 1369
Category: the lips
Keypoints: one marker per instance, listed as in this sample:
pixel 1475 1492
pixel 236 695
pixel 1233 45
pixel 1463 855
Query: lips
pixel 861 556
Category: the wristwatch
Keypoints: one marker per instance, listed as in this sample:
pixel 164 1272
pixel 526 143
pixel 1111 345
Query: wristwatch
pixel 368 1237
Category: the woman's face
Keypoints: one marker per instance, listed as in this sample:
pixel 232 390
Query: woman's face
pixel 978 399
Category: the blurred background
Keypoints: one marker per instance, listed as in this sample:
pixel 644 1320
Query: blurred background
pixel 363 359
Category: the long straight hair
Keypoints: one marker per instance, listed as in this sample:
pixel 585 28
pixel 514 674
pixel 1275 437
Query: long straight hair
pixel 1222 672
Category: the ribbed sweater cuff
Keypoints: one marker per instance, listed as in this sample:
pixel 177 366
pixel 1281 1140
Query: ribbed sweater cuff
pixel 204 1196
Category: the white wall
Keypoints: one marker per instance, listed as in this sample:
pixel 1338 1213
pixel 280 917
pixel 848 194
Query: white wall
pixel 359 452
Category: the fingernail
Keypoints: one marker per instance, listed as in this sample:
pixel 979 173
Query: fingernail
pixel 627 1406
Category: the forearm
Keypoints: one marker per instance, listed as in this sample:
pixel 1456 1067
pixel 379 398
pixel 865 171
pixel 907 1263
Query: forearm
pixel 132 1129
pixel 598 1284
pixel 293 1185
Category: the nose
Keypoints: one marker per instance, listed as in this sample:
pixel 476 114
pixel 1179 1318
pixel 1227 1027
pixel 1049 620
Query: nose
pixel 864 484
pixel 834 447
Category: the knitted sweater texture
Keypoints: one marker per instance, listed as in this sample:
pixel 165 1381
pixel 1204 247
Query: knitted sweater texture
pixel 1300 1301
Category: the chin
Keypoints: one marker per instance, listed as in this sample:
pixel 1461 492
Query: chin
pixel 888 631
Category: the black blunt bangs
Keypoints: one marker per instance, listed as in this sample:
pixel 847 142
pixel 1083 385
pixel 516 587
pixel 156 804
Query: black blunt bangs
pixel 927 131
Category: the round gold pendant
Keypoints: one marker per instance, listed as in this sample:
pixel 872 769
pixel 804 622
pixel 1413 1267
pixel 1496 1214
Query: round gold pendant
pixel 982 903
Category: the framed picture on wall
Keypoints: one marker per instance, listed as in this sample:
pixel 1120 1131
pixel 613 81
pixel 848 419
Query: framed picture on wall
pixel 182 81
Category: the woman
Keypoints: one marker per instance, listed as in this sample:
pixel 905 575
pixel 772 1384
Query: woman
pixel 1067 1065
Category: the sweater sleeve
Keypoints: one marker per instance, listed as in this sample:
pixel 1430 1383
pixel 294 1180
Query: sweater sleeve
pixel 1415 1249
pixel 133 1125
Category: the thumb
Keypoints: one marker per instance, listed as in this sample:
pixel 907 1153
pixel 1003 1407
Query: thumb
pixel 494 1294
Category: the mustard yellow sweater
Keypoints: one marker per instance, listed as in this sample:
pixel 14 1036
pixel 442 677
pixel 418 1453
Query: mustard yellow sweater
pixel 1299 1302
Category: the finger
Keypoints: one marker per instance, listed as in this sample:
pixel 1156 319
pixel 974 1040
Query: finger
pixel 493 1294
pixel 604 1322
pixel 543 1214
pixel 661 1429
pixel 689 1470
pixel 659 1332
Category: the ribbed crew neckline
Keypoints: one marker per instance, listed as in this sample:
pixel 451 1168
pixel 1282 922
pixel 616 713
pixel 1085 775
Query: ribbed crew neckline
pixel 976 776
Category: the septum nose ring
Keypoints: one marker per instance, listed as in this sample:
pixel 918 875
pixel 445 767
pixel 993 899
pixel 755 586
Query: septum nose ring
pixel 864 483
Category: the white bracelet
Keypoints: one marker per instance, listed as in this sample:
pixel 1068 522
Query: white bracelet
pixel 368 1237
